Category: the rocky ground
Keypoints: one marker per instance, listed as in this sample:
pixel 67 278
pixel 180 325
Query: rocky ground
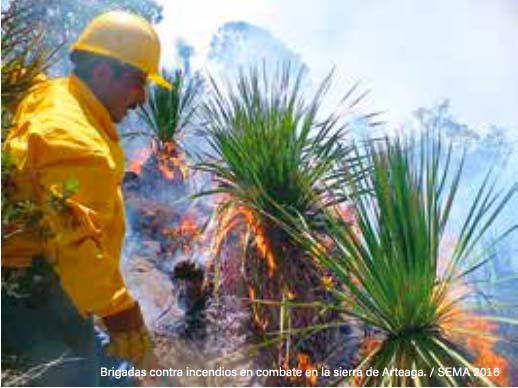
pixel 215 332
pixel 191 329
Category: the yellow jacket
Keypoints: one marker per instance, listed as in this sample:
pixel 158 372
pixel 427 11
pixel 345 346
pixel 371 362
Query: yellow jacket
pixel 63 132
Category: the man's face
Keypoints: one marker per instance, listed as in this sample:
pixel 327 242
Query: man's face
pixel 121 91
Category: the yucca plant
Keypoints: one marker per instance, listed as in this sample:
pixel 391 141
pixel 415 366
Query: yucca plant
pixel 273 157
pixel 166 114
pixel 395 275
pixel 270 151
pixel 169 111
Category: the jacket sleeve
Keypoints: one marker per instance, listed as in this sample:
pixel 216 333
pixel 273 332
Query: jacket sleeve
pixel 87 250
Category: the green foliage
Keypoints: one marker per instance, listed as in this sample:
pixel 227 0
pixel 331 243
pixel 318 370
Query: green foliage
pixel 169 111
pixel 274 157
pixel 388 261
pixel 24 58
pixel 58 199
pixel 272 154
pixel 27 217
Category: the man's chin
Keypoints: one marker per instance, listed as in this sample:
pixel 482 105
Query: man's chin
pixel 117 119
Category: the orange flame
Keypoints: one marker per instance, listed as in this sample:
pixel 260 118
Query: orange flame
pixel 479 336
pixel 188 226
pixel 136 164
pixel 186 233
pixel 227 222
pixel 327 282
pixel 309 371
pixel 368 346
pixel 170 161
pixel 261 323
pixel 290 294
pixel 262 242
pixel 306 365
pixel 230 220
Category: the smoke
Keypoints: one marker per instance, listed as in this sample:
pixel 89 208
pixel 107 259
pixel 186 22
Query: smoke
pixel 240 46
pixel 409 53
pixel 412 55
pixel 491 155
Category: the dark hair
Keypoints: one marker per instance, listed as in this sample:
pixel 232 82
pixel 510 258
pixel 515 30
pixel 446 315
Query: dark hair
pixel 84 63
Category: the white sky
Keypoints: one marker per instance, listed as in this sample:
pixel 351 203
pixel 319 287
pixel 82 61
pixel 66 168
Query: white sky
pixel 410 53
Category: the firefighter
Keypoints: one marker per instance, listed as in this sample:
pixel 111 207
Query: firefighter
pixel 64 131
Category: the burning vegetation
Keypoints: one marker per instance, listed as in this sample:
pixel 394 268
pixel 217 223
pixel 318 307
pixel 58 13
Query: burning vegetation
pixel 337 248
pixel 314 252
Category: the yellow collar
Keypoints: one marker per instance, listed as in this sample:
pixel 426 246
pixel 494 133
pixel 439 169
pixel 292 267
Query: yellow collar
pixel 85 95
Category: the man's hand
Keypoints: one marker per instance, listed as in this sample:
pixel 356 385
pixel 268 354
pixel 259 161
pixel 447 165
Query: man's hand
pixel 132 346
pixel 129 338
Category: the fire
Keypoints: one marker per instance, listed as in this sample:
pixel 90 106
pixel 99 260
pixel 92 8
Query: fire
pixel 231 219
pixel 227 222
pixel 309 370
pixel 261 241
pixel 327 282
pixel 306 365
pixel 290 294
pixel 261 323
pixel 479 336
pixel 184 234
pixel 170 161
pixel 188 226
pixel 368 347
pixel 263 245
pixel 136 164
pixel 228 226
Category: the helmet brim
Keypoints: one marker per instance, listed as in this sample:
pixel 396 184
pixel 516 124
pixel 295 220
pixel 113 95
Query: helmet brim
pixel 156 78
